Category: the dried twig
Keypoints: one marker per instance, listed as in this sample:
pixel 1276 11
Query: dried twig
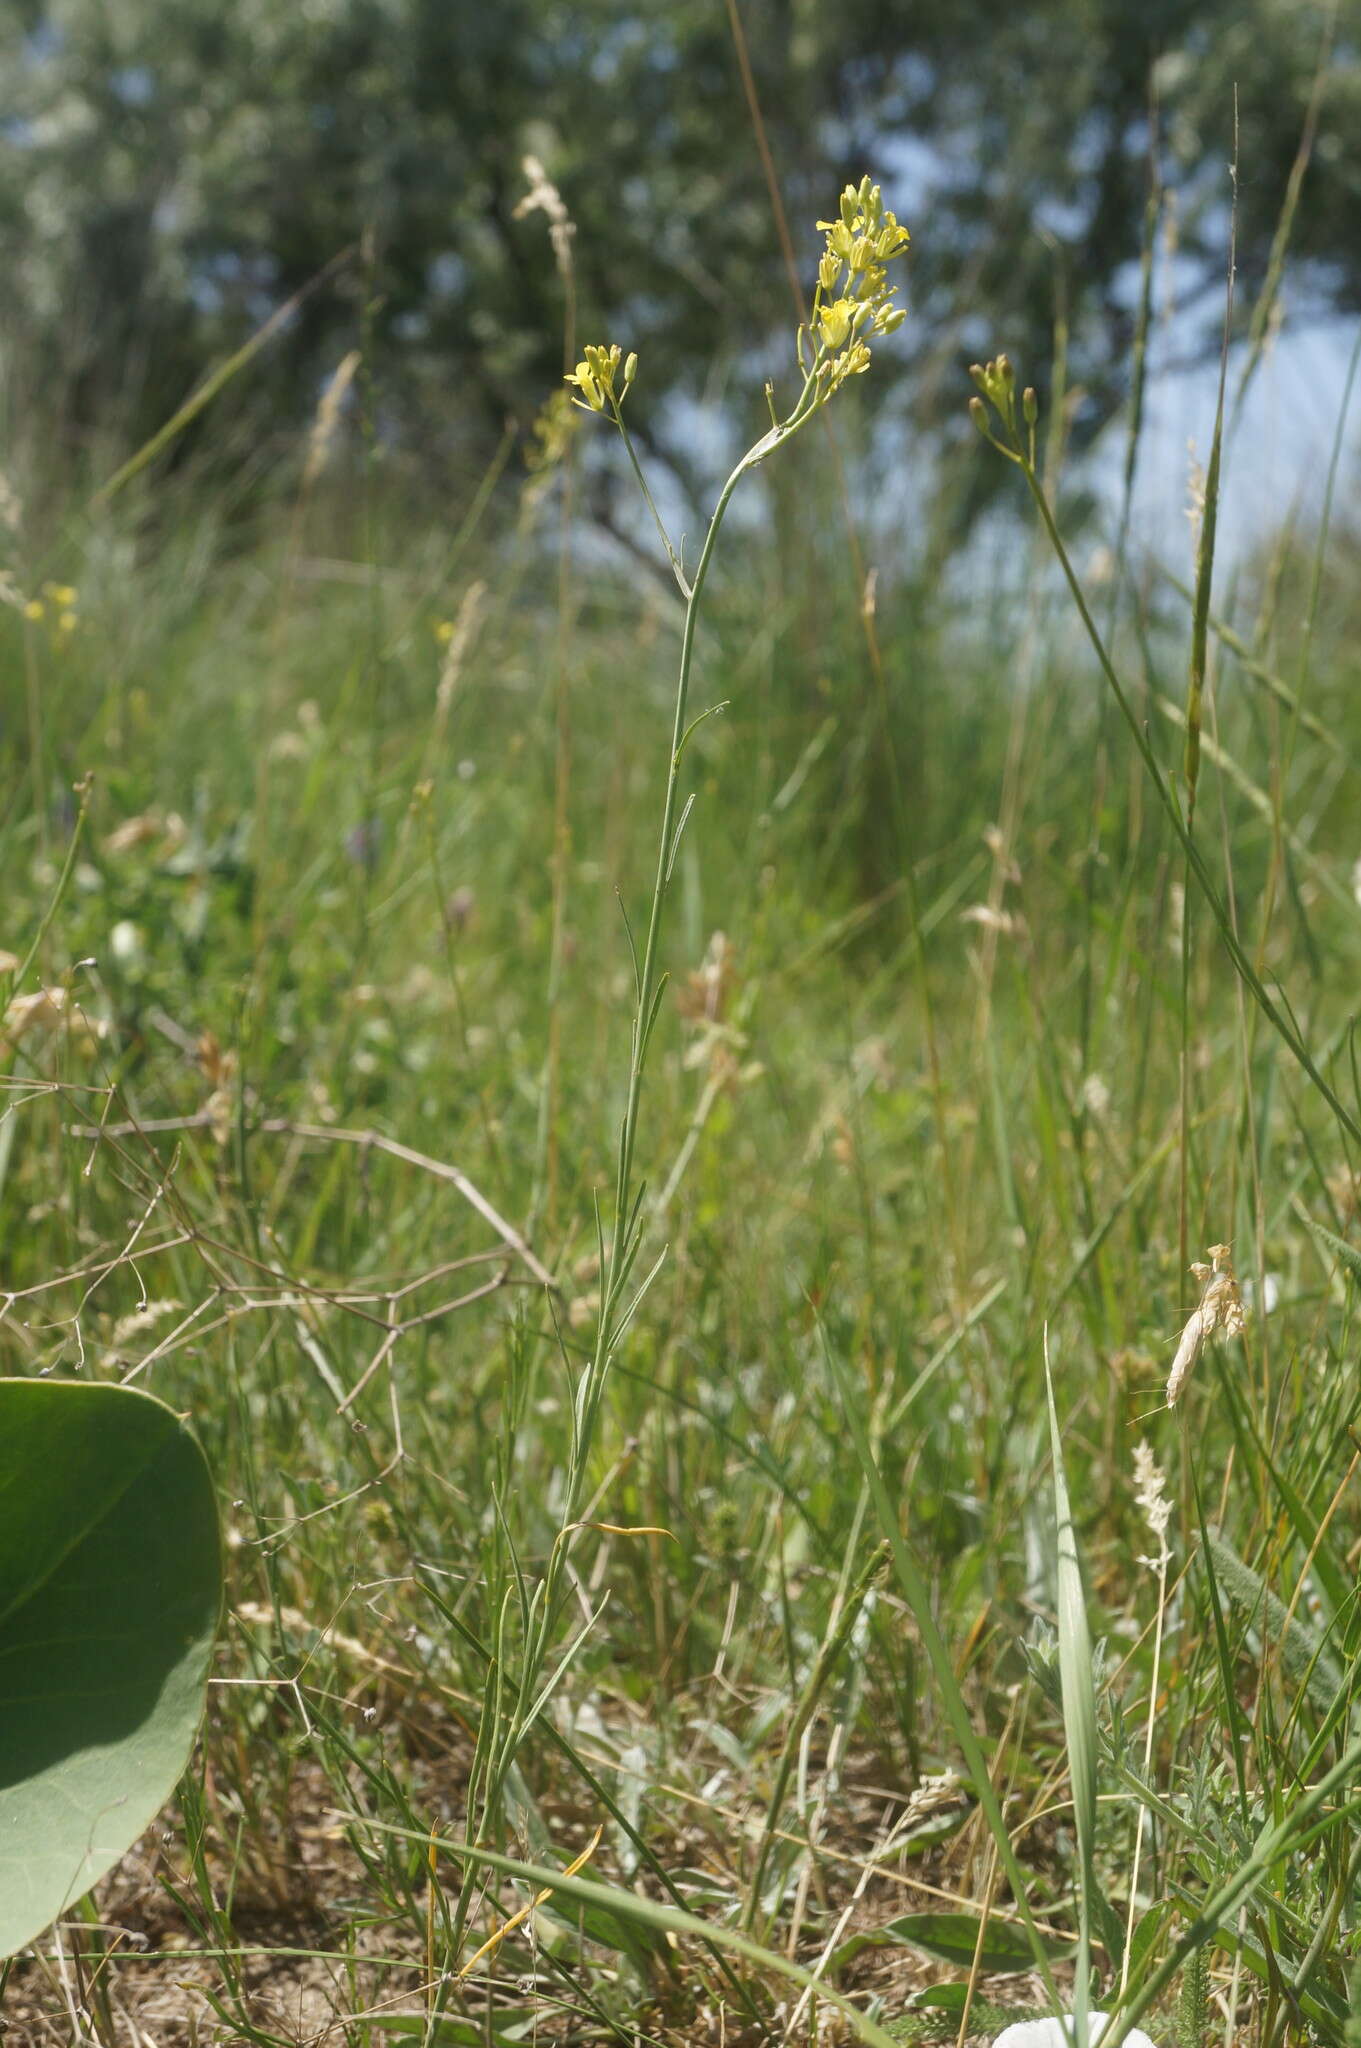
pixel 278 1126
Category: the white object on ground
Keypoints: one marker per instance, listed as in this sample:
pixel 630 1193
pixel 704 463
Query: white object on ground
pixel 1058 2034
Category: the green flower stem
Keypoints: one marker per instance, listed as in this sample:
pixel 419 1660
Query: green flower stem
pixel 677 567
pixel 625 1235
pixel 541 1609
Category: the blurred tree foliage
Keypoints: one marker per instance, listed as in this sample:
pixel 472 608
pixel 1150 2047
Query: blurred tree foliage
pixel 174 169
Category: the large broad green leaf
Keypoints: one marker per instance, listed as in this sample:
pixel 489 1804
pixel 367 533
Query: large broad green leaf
pixel 954 1938
pixel 110 1585
pixel 452 2030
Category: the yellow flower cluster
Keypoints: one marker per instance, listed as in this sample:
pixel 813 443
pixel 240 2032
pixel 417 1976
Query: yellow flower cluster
pixel 553 429
pixel 854 297
pixel 58 605
pixel 594 378
pixel 853 301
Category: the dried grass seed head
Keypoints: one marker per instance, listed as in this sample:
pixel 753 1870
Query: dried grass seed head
pixel 1154 1505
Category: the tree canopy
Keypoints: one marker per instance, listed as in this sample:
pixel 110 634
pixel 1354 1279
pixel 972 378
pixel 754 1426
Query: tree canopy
pixel 176 170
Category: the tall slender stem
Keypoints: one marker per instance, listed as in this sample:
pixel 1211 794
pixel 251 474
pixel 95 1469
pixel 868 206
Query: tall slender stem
pixel 625 1236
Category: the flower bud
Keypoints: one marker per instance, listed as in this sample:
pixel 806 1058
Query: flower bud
pixel 630 368
pixel 1030 405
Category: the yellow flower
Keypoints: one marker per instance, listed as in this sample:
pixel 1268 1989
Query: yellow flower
pixel 835 322
pixel 553 430
pixel 34 609
pixel 594 376
pixel 589 386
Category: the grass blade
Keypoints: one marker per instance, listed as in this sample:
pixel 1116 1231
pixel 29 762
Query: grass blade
pixel 914 1591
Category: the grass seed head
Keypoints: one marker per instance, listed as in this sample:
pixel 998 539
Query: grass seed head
pixel 327 421
pixel 544 197
pixel 1156 1508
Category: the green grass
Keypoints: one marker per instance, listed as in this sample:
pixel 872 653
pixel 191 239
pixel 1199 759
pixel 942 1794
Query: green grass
pixel 899 1142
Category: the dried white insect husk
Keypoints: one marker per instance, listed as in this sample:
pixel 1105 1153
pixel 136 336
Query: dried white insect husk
pixel 1220 1308
pixel 1188 1351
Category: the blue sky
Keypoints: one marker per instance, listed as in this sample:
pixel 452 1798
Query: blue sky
pixel 1279 459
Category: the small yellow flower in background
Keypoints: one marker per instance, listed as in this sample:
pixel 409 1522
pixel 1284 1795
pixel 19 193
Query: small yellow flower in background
pixel 57 605
pixel 63 598
pixel 594 377
pixel 554 426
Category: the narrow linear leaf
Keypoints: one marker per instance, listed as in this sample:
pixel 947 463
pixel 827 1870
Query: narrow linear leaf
pixel 915 1592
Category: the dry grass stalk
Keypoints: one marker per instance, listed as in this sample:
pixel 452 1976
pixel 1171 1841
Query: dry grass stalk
pixel 328 418
pixel 543 196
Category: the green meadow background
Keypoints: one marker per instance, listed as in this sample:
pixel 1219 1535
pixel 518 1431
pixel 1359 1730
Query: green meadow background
pixel 335 725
